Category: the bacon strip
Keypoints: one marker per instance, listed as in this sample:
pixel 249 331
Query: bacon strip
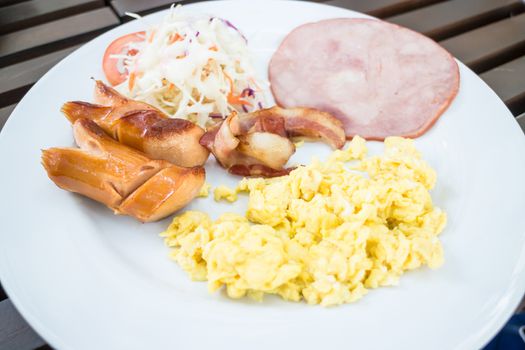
pixel 257 144
pixel 258 170
pixel 225 143
pixel 266 148
pixel 246 152
pixel 292 122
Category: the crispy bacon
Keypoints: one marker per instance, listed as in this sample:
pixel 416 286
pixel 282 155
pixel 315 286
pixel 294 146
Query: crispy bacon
pixel 263 121
pixel 246 152
pixel 298 122
pixel 226 142
pixel 258 170
pixel 266 148
pixel 257 144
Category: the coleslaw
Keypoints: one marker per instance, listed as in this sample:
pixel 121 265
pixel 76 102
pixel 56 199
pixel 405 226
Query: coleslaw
pixel 192 67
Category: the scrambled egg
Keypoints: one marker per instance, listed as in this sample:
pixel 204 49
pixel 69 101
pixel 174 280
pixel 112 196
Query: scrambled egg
pixel 223 192
pixel 205 190
pixel 325 233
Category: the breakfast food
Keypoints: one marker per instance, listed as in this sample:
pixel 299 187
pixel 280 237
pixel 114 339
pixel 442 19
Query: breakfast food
pixel 187 66
pixel 324 233
pixel 205 190
pixel 141 126
pixel 306 123
pixel 225 193
pixel 379 79
pixel 258 143
pixel 235 149
pixel 120 177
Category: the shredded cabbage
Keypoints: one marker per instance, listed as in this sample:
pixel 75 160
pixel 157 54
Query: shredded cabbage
pixel 192 67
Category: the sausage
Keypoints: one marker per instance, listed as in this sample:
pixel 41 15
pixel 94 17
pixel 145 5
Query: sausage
pixel 124 179
pixel 143 127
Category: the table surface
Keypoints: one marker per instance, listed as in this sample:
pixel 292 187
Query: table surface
pixel 487 35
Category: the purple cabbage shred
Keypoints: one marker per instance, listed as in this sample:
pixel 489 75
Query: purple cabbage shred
pixel 247 92
pixel 229 24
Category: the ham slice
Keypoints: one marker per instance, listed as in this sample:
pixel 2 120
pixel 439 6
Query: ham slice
pixel 377 78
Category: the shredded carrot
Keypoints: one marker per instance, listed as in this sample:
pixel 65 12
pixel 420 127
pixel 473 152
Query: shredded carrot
pixel 153 32
pixel 214 48
pixel 171 87
pixel 257 87
pixel 131 80
pixel 175 38
pixel 234 99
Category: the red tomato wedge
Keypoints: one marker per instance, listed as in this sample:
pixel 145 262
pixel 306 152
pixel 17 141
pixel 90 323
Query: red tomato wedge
pixel 119 46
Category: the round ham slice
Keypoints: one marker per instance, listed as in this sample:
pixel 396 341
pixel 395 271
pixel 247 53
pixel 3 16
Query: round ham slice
pixel 379 79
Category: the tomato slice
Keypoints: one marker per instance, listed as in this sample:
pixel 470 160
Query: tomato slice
pixel 119 46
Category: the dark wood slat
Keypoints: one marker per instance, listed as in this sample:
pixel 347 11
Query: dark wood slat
pixel 450 18
pixel 10 2
pixel 508 81
pixel 490 46
pixel 44 38
pixel 44 347
pixel 381 8
pixel 31 13
pixel 15 333
pixel 521 122
pixel 18 78
pixel 142 7
pixel 5 112
pixel 2 292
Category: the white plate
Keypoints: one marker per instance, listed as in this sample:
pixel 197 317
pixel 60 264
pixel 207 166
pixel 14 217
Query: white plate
pixel 85 279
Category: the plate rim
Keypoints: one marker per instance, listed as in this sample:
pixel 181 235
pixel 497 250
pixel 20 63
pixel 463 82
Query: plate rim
pixel 9 285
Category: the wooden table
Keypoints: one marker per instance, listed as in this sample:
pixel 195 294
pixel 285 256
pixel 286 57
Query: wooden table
pixel 487 35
